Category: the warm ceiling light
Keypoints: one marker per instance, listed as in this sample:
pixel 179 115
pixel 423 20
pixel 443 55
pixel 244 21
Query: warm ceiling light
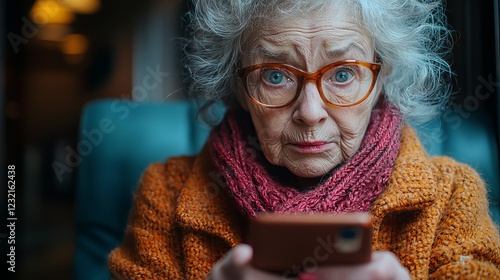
pixel 75 44
pixel 50 12
pixel 82 6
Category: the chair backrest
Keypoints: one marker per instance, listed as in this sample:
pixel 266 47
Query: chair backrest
pixel 120 139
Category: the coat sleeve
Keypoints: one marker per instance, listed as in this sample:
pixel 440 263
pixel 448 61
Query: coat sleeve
pixel 151 246
pixel 467 243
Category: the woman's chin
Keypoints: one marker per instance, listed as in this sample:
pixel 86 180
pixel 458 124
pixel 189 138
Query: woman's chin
pixel 310 169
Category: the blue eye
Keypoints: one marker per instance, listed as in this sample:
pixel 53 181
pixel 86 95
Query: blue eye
pixel 274 77
pixel 342 76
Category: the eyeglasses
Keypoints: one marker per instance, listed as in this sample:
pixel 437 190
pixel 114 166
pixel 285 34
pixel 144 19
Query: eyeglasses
pixel 341 84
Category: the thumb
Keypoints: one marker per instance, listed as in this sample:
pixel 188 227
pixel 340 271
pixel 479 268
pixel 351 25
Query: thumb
pixel 241 255
pixel 233 265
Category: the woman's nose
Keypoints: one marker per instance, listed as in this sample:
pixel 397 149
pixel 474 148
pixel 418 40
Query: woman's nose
pixel 310 108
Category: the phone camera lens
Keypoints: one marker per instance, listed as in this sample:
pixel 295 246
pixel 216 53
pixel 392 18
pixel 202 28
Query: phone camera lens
pixel 349 239
pixel 348 233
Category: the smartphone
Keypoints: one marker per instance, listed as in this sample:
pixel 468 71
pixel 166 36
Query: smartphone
pixel 293 243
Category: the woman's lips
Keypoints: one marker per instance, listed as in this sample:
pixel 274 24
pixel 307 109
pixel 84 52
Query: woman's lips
pixel 310 147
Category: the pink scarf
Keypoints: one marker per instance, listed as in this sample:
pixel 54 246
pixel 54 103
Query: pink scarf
pixel 352 187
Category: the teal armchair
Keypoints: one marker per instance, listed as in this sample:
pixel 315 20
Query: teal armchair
pixel 124 138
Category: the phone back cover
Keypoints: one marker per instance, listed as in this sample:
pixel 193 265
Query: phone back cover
pixel 293 242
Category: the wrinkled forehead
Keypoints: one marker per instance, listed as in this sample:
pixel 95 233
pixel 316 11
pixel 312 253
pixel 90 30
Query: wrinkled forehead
pixel 334 31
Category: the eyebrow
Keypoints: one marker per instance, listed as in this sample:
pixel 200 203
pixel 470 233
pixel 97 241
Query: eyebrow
pixel 261 51
pixel 342 51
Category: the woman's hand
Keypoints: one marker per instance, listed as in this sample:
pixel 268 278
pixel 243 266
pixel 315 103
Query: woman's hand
pixel 384 265
pixel 236 265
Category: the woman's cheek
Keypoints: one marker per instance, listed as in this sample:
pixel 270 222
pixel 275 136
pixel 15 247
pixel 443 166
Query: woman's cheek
pixel 271 146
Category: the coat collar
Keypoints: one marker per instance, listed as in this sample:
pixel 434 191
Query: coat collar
pixel 204 205
pixel 412 183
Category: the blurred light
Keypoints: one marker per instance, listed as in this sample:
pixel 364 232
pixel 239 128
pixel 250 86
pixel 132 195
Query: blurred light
pixel 51 12
pixel 53 32
pixel 82 6
pixel 74 47
pixel 75 44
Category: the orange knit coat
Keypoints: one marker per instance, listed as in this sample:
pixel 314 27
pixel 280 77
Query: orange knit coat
pixel 433 215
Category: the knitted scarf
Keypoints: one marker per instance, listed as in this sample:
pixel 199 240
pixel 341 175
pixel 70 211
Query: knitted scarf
pixel 258 186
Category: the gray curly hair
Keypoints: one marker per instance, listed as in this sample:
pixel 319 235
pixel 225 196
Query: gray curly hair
pixel 411 39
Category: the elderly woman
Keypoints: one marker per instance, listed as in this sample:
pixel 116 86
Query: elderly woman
pixel 320 95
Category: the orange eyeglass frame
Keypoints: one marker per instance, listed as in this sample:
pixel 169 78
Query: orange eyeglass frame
pixel 314 76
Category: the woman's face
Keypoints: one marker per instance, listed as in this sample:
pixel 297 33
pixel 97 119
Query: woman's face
pixel 308 137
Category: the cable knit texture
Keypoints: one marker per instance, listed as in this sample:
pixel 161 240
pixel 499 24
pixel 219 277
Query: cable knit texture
pixel 351 188
pixel 432 214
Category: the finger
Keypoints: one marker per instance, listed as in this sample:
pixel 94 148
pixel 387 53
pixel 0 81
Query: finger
pixel 242 255
pixel 384 265
pixel 232 265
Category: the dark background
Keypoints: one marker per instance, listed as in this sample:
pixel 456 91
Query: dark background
pixel 43 91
